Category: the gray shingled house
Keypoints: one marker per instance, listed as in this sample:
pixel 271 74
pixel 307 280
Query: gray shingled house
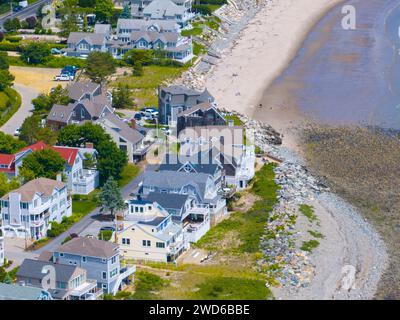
pixel 175 99
pixel 70 282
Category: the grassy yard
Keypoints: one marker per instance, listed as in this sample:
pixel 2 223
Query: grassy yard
pixel 144 88
pixel 129 173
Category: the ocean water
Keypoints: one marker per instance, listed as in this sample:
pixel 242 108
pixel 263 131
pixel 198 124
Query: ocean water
pixel 347 76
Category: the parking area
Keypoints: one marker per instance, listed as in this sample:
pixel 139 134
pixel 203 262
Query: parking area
pixel 15 251
pixel 94 228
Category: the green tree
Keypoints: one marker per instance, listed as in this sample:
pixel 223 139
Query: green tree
pixel 110 159
pixel 6 79
pixel 103 10
pixel 32 131
pixel 110 197
pixel 87 3
pixel 122 97
pixel 4 64
pixel 6 185
pixel 10 145
pixel 12 24
pixel 44 102
pixel 137 69
pixel 144 57
pixel 45 163
pixel 126 12
pixel 99 66
pixel 36 52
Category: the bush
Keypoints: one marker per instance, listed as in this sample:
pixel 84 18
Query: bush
pixel 4 46
pixel 13 39
pixel 35 52
pixel 14 102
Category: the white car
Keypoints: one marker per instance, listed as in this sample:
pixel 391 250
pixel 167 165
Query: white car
pixel 63 77
pixel 17 132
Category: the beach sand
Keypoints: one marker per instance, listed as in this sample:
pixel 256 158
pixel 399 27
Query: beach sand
pixel 262 51
pixel 259 55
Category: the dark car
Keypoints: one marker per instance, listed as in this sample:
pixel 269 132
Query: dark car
pixel 17 8
pixel 137 116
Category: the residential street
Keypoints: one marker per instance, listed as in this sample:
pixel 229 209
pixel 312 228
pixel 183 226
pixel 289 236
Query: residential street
pixel 84 226
pixel 27 94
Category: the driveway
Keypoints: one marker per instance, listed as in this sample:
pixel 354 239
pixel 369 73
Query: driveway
pixel 89 223
pixel 14 249
pixel 27 94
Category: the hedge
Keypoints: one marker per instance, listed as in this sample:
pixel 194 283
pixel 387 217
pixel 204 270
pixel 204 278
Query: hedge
pixel 52 62
pixel 14 104
pixel 17 46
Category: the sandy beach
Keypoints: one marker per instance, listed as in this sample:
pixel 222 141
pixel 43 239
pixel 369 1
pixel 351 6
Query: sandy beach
pixel 260 54
pixel 262 51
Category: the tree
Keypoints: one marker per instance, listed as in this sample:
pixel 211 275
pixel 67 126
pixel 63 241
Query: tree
pixel 6 185
pixel 32 131
pixel 137 69
pixel 10 145
pixel 44 102
pixel 110 197
pixel 69 23
pixel 126 12
pixel 4 64
pixel 103 10
pixel 110 159
pixel 1 36
pixel 12 24
pixel 31 22
pixel 122 97
pixel 36 52
pixel 45 163
pixel 144 57
pixel 6 79
pixel 87 3
pixel 99 66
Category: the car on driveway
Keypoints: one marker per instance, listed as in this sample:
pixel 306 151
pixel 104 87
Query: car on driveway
pixel 17 132
pixel 63 77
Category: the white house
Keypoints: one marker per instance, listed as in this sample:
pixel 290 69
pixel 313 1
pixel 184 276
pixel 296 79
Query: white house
pixel 28 210
pixel 148 233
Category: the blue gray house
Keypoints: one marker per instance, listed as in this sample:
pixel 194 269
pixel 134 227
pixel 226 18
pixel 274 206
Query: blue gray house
pixel 99 258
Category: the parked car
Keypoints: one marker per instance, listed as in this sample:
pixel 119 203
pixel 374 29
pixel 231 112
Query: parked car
pixel 63 77
pixel 137 116
pixel 17 8
pixel 55 51
pixel 17 132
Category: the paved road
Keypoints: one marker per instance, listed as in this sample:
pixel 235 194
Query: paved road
pixel 85 223
pixel 24 13
pixel 27 94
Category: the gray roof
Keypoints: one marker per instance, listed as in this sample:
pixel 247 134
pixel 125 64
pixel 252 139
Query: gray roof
pixel 195 161
pixel 168 200
pixel 89 247
pixel 17 292
pixel 96 105
pixel 145 25
pixel 181 95
pixel 77 90
pixel 158 9
pixel 204 106
pixel 102 28
pixel 91 38
pixel 155 222
pixel 153 36
pixel 174 180
pixel 33 269
pixel 124 130
pixel 61 113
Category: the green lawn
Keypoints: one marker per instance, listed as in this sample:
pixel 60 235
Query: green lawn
pixel 82 204
pixel 129 173
pixel 196 31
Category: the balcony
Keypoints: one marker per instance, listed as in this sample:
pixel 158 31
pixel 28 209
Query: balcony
pixel 86 291
pixel 195 230
pixel 85 182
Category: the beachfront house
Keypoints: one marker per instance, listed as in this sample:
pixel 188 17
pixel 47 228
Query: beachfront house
pixel 71 282
pixel 149 233
pixel 99 258
pixel 126 26
pixel 175 99
pixel 200 186
pixel 28 211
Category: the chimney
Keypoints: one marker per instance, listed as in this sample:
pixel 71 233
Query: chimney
pixel 133 123
pixel 59 177
pixel 89 145
pixel 231 123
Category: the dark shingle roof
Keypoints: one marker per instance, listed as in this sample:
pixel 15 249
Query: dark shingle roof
pixel 33 269
pixel 78 89
pixel 89 247
pixel 168 200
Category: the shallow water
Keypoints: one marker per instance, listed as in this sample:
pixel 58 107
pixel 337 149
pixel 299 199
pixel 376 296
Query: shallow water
pixel 347 76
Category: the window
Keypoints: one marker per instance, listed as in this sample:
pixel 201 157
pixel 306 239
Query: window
pixel 146 243
pixel 83 259
pixel 113 272
pixel 61 254
pixel 160 244
pixel 113 259
pixel 126 241
pixel 104 286
pixel 104 275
